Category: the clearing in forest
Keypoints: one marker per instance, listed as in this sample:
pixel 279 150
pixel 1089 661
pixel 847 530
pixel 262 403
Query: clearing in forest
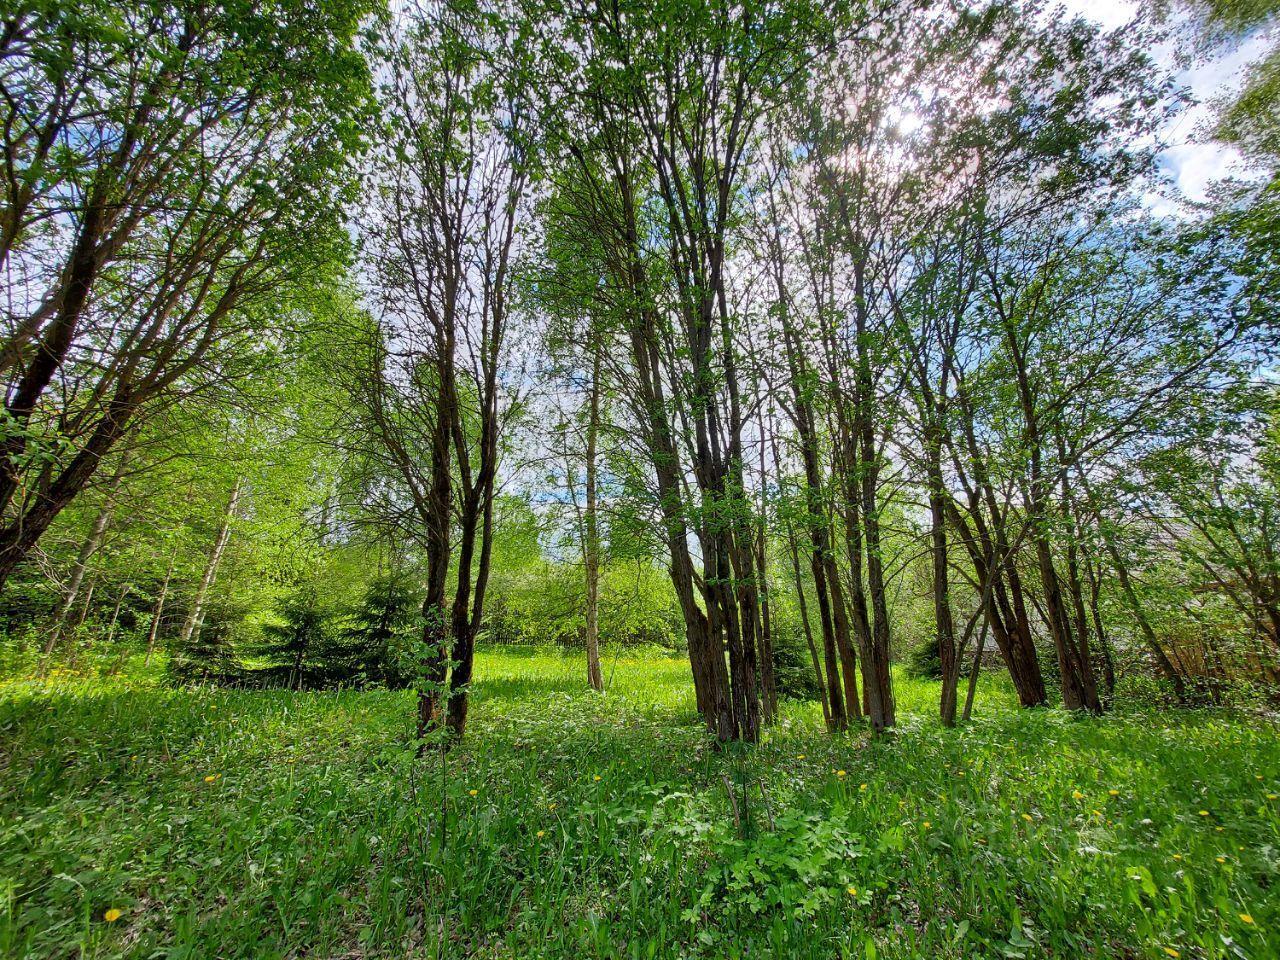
pixel 569 824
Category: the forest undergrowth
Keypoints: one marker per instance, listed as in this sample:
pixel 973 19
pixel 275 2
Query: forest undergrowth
pixel 138 820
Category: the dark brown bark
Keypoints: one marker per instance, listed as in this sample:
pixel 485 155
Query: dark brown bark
pixel 768 683
pixel 1079 688
pixel 944 627
pixel 1010 630
pixel 828 683
pixel 435 613
pixel 988 545
pixel 974 670
pixel 1104 640
pixel 877 680
pixel 82 270
pixel 21 534
pixel 832 615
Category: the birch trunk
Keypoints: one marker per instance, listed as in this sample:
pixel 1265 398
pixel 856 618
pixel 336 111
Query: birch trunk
pixel 195 616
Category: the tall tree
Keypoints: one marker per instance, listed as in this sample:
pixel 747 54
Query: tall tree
pixel 447 185
pixel 170 169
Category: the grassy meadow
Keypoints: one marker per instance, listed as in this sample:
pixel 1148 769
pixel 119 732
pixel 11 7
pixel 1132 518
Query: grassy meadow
pixel 142 821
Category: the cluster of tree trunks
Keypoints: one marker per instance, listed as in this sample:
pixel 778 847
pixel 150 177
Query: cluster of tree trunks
pixel 430 389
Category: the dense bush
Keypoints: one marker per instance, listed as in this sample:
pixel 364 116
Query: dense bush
pixel 793 666
pixel 923 661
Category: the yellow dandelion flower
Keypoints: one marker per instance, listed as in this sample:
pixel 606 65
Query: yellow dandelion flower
pixel 1177 856
pixel 1077 795
pixel 596 778
pixel 1221 859
pixel 853 891
pixel 472 792
pixel 1027 817
pixel 1172 952
pixel 112 915
pixel 862 788
pixel 927 824
pixel 1204 813
pixel 1246 918
pixel 541 833
pixel 840 773
pixel 212 777
pixel 1096 813
pixel 799 756
pixel 551 806
pixel 1113 793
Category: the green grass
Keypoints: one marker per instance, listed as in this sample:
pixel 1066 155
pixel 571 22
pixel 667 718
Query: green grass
pixel 1024 834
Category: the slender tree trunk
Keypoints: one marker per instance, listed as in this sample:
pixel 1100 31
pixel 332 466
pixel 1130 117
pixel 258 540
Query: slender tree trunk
pixel 477 515
pixel 111 632
pixel 706 652
pixel 72 646
pixel 158 611
pixel 1070 669
pixel 195 616
pixel 87 550
pixel 877 680
pixel 591 539
pixel 832 616
pixel 987 542
pixel 857 597
pixel 1081 628
pixel 1079 691
pixel 706 630
pixel 973 673
pixel 115 614
pixel 833 695
pixel 74 287
pixel 435 614
pixel 1104 640
pixel 1163 664
pixel 1148 633
pixel 768 683
pixel 1016 647
pixel 944 626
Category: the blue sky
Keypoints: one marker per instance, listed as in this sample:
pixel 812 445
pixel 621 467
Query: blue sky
pixel 1192 160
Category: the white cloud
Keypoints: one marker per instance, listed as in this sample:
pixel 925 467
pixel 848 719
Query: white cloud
pixel 1190 158
pixel 1194 166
